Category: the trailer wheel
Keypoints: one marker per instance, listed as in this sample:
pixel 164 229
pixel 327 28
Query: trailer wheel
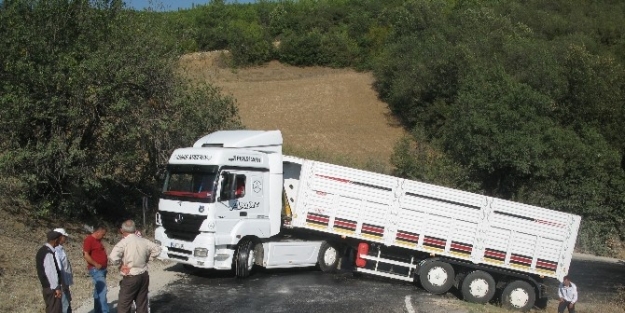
pixel 518 295
pixel 478 287
pixel 437 277
pixel 244 261
pixel 328 258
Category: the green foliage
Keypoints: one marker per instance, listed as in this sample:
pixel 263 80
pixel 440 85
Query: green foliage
pixel 249 44
pixel 420 161
pixel 302 50
pixel 333 49
pixel 212 23
pixel 90 106
pixel 527 99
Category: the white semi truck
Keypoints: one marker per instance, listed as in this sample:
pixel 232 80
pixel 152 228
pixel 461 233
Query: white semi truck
pixel 233 200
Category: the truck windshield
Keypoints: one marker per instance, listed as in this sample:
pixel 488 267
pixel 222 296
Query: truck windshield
pixel 190 182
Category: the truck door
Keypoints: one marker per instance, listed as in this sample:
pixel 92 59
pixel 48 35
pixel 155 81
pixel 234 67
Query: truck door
pixel 237 199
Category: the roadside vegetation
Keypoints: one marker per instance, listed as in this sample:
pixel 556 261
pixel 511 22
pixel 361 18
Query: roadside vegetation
pixel 91 107
pixel 523 100
pixel 519 100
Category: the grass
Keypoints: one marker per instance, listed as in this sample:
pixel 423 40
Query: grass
pixel 334 111
pixel 20 238
pixel 371 164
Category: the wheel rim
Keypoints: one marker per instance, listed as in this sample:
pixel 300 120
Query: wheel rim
pixel 479 288
pixel 437 276
pixel 519 297
pixel 329 257
pixel 250 260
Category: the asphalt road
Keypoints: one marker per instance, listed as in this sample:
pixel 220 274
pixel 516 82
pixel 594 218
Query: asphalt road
pixel 305 290
pixel 309 290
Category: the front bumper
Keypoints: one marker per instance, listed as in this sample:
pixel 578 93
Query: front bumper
pixel 200 253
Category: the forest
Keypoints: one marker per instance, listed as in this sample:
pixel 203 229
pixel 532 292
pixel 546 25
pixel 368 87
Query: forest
pixel 518 99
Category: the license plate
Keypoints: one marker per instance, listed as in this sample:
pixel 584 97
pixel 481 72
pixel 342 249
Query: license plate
pixel 176 245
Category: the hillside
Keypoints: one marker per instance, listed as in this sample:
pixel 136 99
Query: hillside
pixel 320 111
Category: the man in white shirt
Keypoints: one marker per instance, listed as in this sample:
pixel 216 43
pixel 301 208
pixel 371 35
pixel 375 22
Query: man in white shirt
pixel 65 266
pixel 132 254
pixel 49 273
pixel 568 295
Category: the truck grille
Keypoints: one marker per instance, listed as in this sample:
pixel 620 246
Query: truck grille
pixel 181 226
pixel 178 257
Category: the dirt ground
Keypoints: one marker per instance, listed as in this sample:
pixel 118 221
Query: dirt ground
pixel 334 112
pixel 20 238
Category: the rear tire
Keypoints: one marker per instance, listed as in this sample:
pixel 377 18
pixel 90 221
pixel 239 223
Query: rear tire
pixel 328 258
pixel 437 277
pixel 518 295
pixel 245 258
pixel 478 287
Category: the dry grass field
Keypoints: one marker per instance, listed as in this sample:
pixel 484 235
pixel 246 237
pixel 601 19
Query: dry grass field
pixel 323 112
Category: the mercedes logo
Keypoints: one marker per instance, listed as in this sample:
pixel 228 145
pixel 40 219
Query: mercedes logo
pixel 178 219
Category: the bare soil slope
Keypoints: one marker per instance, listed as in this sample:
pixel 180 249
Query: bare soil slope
pixel 332 111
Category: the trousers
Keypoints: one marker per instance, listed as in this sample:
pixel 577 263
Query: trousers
pixel 133 288
pixel 565 305
pixel 100 303
pixel 53 304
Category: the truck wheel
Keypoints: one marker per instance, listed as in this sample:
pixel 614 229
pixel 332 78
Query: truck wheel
pixel 244 261
pixel 518 295
pixel 437 277
pixel 328 258
pixel 478 287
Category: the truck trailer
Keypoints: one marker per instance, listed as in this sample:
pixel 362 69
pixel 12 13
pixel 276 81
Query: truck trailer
pixel 234 201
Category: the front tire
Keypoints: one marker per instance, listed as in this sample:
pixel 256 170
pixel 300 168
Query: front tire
pixel 245 258
pixel 437 277
pixel 478 287
pixel 328 258
pixel 518 295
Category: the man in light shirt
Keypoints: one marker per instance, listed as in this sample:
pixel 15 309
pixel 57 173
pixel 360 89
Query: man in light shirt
pixel 568 295
pixel 132 254
pixel 49 273
pixel 67 275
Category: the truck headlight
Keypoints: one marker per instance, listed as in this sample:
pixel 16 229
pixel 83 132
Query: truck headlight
pixel 158 219
pixel 200 252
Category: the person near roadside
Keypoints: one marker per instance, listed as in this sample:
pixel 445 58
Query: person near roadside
pixel 132 255
pixel 67 275
pixel 95 255
pixel 567 291
pixel 49 273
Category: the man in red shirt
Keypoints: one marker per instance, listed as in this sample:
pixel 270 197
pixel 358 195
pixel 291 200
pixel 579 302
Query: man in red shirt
pixel 95 255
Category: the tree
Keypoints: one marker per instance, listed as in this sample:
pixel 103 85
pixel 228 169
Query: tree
pixel 90 106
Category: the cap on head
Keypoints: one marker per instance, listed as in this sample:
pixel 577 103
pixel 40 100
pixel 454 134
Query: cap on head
pixel 61 231
pixel 53 235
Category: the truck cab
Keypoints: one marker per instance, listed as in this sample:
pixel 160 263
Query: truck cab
pixel 222 195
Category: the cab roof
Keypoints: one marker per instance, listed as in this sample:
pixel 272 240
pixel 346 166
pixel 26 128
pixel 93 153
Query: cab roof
pixel 260 140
